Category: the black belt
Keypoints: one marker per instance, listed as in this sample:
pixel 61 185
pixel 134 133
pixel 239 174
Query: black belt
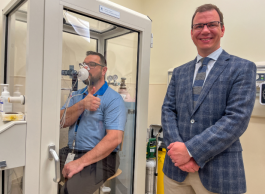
pixel 85 151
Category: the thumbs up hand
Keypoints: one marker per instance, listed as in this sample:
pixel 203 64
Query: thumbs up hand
pixel 91 102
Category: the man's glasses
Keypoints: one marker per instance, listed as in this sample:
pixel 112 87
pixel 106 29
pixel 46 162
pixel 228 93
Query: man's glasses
pixel 92 65
pixel 210 25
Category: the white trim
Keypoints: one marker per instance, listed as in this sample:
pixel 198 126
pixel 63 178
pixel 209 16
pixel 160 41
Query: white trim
pixel 33 93
pixel 134 24
pixel 53 37
pixel 10 6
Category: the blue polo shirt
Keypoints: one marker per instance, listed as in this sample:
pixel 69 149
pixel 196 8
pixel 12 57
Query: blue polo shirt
pixel 110 115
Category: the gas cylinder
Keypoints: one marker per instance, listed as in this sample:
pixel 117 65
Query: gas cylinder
pixel 150 186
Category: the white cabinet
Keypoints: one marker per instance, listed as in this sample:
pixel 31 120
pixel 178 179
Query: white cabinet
pixel 13 144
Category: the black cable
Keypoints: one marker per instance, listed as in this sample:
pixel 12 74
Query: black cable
pixel 3 181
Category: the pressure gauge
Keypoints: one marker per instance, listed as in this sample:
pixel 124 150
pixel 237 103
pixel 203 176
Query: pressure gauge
pixel 115 77
pixel 109 78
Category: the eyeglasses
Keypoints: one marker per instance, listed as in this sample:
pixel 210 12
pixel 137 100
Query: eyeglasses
pixel 92 65
pixel 210 25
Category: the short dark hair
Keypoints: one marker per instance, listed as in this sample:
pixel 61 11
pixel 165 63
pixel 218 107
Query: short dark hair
pixel 208 7
pixel 102 58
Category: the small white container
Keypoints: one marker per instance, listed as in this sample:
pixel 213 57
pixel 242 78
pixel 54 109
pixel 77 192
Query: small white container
pixel 5 106
pixel 12 116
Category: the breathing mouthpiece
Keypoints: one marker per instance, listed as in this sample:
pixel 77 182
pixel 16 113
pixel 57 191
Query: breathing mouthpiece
pixel 83 73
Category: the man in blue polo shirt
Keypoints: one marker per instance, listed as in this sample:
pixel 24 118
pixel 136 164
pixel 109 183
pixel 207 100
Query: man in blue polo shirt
pixel 96 116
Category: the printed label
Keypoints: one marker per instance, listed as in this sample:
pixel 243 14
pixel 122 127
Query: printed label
pixel 109 11
pixel 70 158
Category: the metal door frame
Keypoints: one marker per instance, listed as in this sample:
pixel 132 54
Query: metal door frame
pixel 43 83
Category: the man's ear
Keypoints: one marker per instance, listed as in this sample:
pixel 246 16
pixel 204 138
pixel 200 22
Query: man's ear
pixel 223 31
pixel 104 70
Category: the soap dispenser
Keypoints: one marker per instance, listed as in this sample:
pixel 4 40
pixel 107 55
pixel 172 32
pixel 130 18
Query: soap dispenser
pixel 5 106
pixel 17 92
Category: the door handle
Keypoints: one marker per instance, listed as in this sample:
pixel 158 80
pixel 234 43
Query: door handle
pixel 53 155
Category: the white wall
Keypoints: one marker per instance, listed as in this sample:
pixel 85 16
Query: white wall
pixel 254 156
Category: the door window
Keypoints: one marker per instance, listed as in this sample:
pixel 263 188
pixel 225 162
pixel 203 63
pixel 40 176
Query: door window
pixel 119 46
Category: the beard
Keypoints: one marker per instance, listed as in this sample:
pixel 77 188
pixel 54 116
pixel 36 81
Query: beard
pixel 93 80
pixel 86 82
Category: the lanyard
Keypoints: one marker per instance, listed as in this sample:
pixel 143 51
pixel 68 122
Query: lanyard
pixel 77 123
pixel 100 92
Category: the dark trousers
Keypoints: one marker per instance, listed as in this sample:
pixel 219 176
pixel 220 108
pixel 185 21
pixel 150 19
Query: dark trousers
pixel 91 177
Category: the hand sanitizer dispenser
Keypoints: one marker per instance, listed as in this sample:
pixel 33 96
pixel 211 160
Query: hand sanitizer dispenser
pixel 5 106
pixel 17 92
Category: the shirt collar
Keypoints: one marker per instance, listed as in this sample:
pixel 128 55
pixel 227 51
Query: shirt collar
pixel 214 55
pixel 100 92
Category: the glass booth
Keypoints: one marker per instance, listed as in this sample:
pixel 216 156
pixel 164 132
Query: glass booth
pixel 42 46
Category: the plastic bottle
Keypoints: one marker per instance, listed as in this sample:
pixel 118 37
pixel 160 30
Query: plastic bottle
pixel 5 105
pixel 17 107
pixel 1 105
pixel 17 92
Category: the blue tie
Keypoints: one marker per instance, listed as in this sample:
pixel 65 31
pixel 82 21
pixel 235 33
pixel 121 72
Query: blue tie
pixel 199 80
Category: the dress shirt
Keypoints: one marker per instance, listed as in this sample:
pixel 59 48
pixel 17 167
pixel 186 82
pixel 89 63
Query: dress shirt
pixel 214 56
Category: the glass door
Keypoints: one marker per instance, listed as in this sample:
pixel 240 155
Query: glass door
pixel 73 30
pixel 76 42
pixel 121 53
pixel 119 45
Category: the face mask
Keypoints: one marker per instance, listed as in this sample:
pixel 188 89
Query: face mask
pixel 83 74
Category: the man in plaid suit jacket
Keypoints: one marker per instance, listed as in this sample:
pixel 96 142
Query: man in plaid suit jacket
pixel 205 112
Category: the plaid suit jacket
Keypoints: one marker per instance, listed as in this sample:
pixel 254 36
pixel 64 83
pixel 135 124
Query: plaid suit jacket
pixel 221 115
